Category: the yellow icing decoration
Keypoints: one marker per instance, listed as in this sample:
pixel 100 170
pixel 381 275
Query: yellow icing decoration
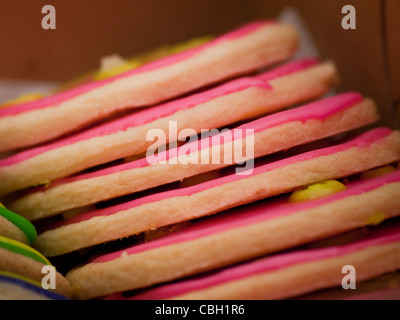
pixel 189 44
pixel 376 219
pixel 75 82
pixel 20 277
pixel 377 172
pixel 1 205
pixel 16 244
pixel 120 65
pixel 21 99
pixel 138 60
pixel 317 190
pixel 43 183
pixel 108 73
pixel 166 50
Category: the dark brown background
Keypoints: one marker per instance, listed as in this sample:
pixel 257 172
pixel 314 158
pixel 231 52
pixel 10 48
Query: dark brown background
pixel 367 58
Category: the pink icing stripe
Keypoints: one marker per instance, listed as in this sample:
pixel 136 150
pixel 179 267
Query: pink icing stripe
pixel 378 237
pixel 169 60
pixel 317 110
pixel 147 115
pixel 252 214
pixel 364 140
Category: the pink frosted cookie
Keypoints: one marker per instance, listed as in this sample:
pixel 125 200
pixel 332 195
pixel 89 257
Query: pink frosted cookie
pixel 271 134
pixel 239 234
pixel 231 102
pixel 374 148
pixel 246 49
pixel 290 274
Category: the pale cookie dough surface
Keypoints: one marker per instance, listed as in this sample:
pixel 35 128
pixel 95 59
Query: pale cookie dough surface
pixel 218 112
pixel 232 245
pixel 174 209
pixel 264 46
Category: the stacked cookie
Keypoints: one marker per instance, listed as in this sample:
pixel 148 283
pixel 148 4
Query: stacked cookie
pixel 205 160
pixel 22 268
